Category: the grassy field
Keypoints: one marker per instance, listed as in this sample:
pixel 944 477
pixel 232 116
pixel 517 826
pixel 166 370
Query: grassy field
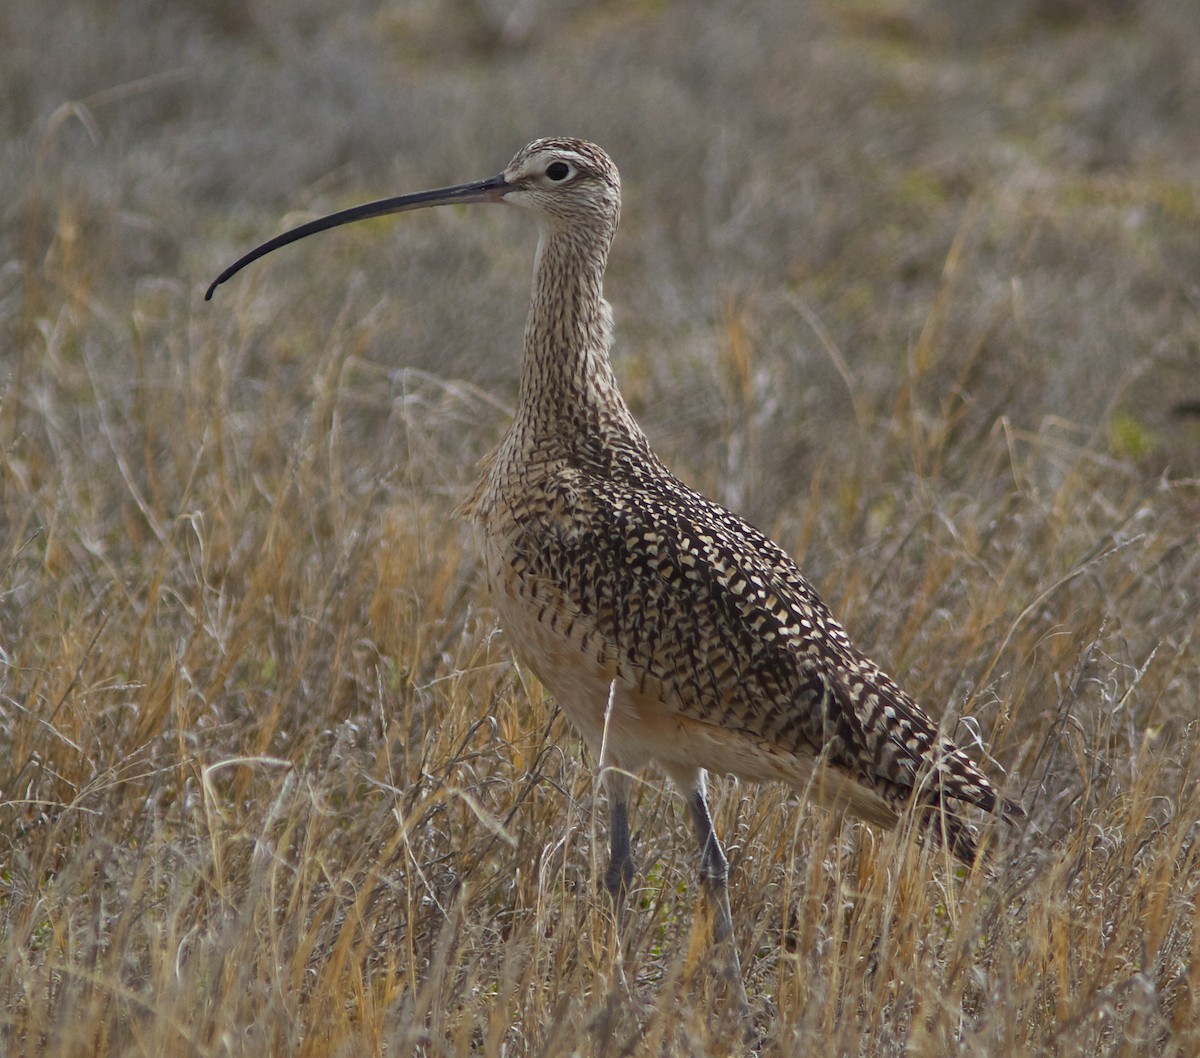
pixel 915 286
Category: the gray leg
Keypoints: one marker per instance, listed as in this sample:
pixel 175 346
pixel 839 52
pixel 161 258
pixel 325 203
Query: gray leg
pixel 714 868
pixel 619 876
pixel 714 878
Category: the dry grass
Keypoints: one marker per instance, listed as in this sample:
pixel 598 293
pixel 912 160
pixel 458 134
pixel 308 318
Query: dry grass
pixel 913 285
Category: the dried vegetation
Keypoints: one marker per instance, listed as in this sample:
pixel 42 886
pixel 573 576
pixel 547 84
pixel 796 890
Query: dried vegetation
pixel 915 285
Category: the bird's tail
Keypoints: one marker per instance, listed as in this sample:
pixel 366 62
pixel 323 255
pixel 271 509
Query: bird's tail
pixel 948 828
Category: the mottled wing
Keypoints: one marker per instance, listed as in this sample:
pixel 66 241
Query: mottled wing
pixel 703 612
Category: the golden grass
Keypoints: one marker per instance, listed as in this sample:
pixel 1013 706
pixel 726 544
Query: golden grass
pixel 273 784
pixel 270 782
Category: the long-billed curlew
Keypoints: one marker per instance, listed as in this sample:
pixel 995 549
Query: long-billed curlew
pixel 666 627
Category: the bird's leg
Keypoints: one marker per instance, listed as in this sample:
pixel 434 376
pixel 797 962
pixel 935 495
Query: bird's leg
pixel 619 876
pixel 714 878
pixel 714 868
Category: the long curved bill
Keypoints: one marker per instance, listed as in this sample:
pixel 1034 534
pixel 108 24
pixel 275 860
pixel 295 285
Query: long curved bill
pixel 489 190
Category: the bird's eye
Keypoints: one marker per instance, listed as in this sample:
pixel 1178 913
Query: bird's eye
pixel 558 171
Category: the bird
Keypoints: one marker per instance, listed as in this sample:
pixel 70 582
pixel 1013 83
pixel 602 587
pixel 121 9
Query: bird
pixel 668 629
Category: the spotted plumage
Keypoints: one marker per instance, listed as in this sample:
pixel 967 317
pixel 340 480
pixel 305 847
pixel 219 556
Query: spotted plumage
pixel 669 629
pixel 605 567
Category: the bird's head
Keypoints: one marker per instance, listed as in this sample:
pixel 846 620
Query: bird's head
pixel 564 183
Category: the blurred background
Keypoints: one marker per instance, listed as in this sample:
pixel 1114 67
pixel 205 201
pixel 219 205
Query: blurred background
pixel 806 176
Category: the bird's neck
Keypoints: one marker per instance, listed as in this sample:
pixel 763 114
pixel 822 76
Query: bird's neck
pixel 569 398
